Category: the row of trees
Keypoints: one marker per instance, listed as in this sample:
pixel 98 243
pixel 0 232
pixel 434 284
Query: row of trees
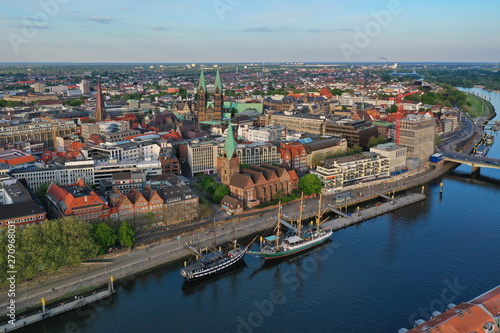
pixel 105 236
pixel 57 243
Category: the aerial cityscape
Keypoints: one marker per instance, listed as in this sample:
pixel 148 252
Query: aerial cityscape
pixel 232 166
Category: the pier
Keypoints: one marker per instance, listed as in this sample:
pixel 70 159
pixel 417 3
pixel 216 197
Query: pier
pixel 79 301
pixel 371 212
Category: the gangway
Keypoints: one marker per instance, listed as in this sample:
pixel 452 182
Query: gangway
pixel 338 212
pixel 385 196
pixel 288 225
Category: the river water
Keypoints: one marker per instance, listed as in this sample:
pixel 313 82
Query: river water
pixel 375 277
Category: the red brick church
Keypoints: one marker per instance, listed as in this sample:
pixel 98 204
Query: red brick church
pixel 253 185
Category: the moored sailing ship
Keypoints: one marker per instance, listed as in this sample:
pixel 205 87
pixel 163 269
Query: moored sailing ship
pixel 212 263
pixel 295 240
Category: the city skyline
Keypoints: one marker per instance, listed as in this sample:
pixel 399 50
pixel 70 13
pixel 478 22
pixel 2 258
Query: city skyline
pixel 235 31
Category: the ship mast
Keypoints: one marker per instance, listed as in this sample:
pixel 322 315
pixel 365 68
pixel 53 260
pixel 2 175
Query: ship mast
pixel 234 235
pixel 278 229
pixel 318 218
pixel 299 224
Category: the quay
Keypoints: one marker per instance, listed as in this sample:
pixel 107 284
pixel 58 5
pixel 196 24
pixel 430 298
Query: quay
pixel 44 313
pixel 346 220
pixel 172 246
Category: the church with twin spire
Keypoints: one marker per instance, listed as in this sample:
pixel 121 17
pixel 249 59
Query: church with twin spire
pixel 205 112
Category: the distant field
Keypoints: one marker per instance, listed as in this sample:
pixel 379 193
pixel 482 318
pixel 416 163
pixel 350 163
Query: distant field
pixel 477 107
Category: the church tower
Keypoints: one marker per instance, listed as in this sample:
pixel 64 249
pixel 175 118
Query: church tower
pixel 218 96
pixel 229 162
pixel 201 97
pixel 100 111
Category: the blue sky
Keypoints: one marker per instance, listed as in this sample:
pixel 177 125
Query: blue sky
pixel 249 31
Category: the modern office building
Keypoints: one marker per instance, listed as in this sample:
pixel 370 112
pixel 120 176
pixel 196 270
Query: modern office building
pixel 68 173
pixel 417 135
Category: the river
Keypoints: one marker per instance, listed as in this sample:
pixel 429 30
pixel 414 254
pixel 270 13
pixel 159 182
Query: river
pixel 375 277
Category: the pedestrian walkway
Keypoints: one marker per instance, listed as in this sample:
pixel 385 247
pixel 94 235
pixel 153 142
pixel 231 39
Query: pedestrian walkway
pixel 368 213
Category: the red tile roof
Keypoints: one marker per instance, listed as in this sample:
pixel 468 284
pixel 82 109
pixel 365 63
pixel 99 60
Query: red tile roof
pixel 61 194
pixel 490 300
pixel 462 318
pixel 15 157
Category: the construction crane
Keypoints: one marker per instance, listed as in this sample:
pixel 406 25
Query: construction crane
pixel 384 58
pixel 401 111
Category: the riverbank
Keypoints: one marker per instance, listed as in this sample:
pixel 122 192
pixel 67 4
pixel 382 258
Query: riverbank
pixel 170 248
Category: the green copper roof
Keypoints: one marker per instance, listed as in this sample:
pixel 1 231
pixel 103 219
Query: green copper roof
pixel 202 82
pixel 218 82
pixel 230 146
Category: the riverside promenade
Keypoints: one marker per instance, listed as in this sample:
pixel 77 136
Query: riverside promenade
pixel 173 247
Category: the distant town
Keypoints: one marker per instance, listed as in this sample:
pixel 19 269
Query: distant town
pixel 99 145
pixel 122 142
pixel 107 154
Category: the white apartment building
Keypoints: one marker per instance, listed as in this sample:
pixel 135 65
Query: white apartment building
pixel 261 134
pixel 348 170
pixel 104 127
pixel 395 154
pixel 66 174
pixel 128 151
pixel 104 170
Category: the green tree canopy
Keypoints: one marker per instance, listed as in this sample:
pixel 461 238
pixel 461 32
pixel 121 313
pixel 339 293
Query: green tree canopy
pixel 42 190
pixel 104 236
pixel 51 245
pixel 393 108
pixel 376 140
pixel 310 184
pixel 220 193
pixel 126 235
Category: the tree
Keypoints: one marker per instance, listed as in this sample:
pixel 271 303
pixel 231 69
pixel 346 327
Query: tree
pixel 42 190
pixel 372 142
pixel 77 241
pixel 126 235
pixel 3 258
pixel 220 193
pixel 393 108
pixel 30 245
pixel 356 149
pixel 104 236
pixel 310 184
pixel 205 211
pixel 73 102
pixel 317 158
pixel 150 216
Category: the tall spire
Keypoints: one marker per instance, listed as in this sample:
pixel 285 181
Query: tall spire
pixel 218 97
pixel 218 81
pixel 100 112
pixel 230 145
pixel 202 82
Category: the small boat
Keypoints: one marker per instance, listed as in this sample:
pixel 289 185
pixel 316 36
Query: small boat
pixel 482 150
pixel 296 240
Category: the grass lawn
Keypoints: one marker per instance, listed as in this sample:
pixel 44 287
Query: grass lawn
pixel 476 106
